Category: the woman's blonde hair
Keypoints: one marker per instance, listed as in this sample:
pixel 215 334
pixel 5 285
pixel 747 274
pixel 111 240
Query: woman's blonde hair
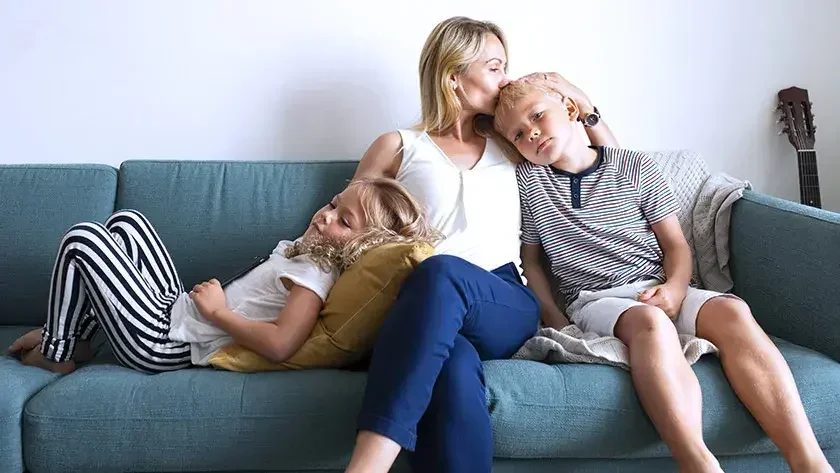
pixel 392 215
pixel 450 48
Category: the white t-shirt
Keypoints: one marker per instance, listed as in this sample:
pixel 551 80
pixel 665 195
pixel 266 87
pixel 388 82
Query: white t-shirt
pixel 258 295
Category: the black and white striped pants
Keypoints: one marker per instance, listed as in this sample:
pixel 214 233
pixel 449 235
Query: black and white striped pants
pixel 120 277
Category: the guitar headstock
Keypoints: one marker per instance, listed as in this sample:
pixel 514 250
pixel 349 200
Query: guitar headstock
pixel 797 118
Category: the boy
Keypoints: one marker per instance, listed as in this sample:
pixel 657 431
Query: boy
pixel 606 219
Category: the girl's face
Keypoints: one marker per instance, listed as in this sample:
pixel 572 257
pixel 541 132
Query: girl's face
pixel 478 87
pixel 341 219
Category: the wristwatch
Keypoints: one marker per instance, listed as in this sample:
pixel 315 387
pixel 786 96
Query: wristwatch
pixel 591 119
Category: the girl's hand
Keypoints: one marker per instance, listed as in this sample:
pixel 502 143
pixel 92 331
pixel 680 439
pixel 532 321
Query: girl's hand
pixel 563 87
pixel 209 299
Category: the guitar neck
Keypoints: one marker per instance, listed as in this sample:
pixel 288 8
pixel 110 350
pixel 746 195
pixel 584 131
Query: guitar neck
pixel 809 181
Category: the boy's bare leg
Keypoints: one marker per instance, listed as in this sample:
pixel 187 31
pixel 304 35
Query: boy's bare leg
pixel 667 387
pixel 374 453
pixel 762 380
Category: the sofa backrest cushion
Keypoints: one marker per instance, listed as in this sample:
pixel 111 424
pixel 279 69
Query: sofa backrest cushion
pixel 38 203
pixel 216 216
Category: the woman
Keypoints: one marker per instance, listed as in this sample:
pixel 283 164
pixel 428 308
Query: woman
pixel 425 388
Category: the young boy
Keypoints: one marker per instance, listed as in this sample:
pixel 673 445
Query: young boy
pixel 606 219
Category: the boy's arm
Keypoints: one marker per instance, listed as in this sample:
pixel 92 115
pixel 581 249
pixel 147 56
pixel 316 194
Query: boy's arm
pixel 277 340
pixel 677 264
pixel 600 134
pixel 532 266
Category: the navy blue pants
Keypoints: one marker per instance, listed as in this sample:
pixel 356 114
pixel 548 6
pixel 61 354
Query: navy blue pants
pixel 425 387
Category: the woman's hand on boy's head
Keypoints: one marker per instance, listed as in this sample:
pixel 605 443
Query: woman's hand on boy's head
pixel 209 298
pixel 563 87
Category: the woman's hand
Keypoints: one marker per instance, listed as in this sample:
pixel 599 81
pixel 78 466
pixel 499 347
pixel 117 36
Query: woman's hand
pixel 563 87
pixel 209 299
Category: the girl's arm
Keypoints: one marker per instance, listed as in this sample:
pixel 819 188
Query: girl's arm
pixel 277 340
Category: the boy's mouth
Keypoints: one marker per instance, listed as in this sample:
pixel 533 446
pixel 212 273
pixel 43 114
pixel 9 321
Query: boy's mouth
pixel 542 145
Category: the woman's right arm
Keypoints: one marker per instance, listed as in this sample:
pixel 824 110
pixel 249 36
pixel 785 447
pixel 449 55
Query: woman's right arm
pixel 382 158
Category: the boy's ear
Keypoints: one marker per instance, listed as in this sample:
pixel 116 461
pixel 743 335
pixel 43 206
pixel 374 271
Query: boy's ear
pixel 571 108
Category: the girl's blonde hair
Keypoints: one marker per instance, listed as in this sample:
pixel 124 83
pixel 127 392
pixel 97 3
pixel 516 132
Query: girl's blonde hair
pixel 392 215
pixel 450 48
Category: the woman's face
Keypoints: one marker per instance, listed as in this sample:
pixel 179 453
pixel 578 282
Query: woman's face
pixel 478 87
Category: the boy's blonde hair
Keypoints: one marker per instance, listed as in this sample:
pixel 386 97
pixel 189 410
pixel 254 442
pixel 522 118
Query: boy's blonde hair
pixel 392 215
pixel 450 48
pixel 508 97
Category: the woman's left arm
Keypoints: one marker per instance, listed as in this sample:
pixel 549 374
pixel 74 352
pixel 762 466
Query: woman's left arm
pixel 277 340
pixel 600 134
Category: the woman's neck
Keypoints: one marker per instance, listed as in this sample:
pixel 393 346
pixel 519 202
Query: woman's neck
pixel 463 130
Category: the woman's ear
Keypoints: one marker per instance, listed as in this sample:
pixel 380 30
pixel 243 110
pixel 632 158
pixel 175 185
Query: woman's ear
pixel 453 81
pixel 571 108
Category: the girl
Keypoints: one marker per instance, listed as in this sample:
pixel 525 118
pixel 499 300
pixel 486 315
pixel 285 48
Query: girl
pixel 120 276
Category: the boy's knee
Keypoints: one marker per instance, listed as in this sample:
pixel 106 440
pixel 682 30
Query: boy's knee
pixel 641 320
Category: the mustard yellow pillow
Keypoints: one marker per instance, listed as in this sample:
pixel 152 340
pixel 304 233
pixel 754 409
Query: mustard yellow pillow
pixel 353 312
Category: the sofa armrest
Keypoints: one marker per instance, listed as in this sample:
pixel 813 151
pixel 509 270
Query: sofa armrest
pixel 785 262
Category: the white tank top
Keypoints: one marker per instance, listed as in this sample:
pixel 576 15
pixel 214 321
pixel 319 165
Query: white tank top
pixel 477 210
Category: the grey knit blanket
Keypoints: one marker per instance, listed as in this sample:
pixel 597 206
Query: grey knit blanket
pixel 705 207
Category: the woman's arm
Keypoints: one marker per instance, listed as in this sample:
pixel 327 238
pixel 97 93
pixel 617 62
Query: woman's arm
pixel 382 158
pixel 532 266
pixel 277 340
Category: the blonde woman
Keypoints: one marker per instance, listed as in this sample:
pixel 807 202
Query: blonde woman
pixel 120 277
pixel 468 303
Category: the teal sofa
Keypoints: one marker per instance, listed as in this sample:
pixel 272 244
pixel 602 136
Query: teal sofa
pixel 215 216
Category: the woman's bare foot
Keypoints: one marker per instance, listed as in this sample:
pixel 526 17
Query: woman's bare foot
pixel 35 358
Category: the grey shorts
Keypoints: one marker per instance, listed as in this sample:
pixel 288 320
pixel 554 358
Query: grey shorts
pixel 598 311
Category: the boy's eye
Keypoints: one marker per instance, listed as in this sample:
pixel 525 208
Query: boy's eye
pixel 538 115
pixel 518 135
pixel 345 222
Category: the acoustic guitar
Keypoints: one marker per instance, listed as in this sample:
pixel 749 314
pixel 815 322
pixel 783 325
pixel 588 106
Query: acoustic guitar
pixel 799 127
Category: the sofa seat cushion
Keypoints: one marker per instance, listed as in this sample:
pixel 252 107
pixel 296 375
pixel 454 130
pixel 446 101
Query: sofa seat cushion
pixel 592 411
pixel 112 419
pixel 18 384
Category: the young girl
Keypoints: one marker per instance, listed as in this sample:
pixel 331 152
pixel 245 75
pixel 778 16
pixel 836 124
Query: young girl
pixel 119 276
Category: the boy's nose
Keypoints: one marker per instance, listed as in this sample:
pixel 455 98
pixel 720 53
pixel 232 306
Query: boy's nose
pixel 534 134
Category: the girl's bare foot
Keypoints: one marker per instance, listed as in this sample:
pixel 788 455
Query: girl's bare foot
pixel 35 358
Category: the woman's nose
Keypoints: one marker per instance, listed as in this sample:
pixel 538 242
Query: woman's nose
pixel 505 81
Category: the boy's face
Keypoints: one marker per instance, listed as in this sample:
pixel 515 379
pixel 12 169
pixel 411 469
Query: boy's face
pixel 539 125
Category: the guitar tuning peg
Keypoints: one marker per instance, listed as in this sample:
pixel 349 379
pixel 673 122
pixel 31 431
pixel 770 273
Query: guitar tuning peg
pixel 783 130
pixel 780 120
pixel 780 106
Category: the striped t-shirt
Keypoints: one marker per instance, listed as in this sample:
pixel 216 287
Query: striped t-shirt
pixel 595 226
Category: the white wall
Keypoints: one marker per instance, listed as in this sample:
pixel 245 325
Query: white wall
pixel 103 81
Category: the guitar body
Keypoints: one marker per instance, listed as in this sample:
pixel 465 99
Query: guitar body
pixel 799 127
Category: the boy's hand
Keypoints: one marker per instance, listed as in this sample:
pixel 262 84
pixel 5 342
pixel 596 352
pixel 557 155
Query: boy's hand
pixel 562 86
pixel 667 297
pixel 209 298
